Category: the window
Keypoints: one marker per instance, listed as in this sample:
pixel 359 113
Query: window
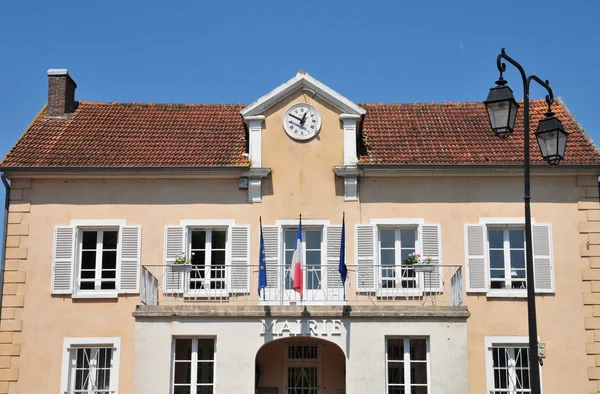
pixel 98 259
pixel 507 362
pixel 194 366
pixel 208 254
pixel 395 244
pixel 507 258
pixel 407 361
pixel 312 242
pixel 90 366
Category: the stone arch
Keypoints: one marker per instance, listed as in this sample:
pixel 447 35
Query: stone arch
pixel 290 362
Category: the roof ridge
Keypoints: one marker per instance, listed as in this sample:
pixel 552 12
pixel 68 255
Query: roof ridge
pixel 152 104
pixel 535 101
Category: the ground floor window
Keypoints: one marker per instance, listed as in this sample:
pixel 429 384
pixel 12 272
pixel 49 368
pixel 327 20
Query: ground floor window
pixel 508 365
pixel 90 366
pixel 194 366
pixel 407 362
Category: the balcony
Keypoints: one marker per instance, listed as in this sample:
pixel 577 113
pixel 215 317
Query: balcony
pixel 365 285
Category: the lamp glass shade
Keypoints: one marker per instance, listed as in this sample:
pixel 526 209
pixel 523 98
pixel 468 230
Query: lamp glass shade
pixel 502 110
pixel 552 139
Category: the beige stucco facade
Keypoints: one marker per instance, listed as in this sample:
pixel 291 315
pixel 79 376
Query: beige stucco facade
pixel 35 323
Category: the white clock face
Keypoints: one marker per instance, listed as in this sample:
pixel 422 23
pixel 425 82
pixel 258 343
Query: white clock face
pixel 302 121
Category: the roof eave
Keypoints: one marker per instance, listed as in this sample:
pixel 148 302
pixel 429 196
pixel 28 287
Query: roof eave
pixel 393 170
pixel 126 172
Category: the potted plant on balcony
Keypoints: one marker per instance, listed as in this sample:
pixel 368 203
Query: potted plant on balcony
pixel 420 265
pixel 181 264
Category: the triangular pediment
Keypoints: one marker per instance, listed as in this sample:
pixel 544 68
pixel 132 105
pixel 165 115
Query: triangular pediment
pixel 302 81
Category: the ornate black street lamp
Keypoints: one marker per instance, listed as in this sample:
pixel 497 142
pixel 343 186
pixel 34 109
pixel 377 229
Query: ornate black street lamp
pixel 552 138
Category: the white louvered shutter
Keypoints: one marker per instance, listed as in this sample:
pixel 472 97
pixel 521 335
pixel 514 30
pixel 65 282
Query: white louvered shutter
pixel 365 258
pixel 129 271
pixel 174 244
pixel 239 270
pixel 63 261
pixel 477 280
pixel 542 258
pixel 431 238
pixel 272 236
pixel 334 280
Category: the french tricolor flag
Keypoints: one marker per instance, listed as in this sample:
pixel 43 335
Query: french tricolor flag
pixel 296 271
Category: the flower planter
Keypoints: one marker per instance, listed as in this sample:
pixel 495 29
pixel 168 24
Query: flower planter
pixel 424 267
pixel 180 267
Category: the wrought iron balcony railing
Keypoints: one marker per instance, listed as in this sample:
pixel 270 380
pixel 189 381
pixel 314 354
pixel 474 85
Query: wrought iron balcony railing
pixel 322 285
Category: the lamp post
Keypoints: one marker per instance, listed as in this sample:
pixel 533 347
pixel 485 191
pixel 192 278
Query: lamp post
pixel 502 110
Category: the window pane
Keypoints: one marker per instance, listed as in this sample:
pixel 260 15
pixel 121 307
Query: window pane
pixel 217 257
pixel 219 239
pixel 313 239
pixel 109 259
pixel 407 238
pixel 387 238
pixel 183 372
pixel 198 239
pixel 517 259
pixel 396 372
pixel 108 285
pixel 496 238
pixel 110 239
pixel 183 349
pixel 206 349
pixel 290 239
pixel 395 349
pixel 204 390
pixel 88 259
pixel 418 390
pixel 89 239
pixel 418 373
pixel 497 274
pixel 496 259
pixel 396 390
pixel 404 253
pixel 205 372
pixel 516 238
pixel 418 349
pixel 288 256
pixel 313 257
pixel 181 390
pixel 388 257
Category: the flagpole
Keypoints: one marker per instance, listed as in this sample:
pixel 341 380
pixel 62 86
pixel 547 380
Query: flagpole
pixel 344 230
pixel 261 257
pixel 302 251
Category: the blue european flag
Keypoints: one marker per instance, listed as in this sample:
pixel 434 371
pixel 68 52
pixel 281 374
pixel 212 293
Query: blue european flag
pixel 342 267
pixel 262 264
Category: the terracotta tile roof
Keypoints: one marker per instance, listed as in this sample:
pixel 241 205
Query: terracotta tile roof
pixel 135 135
pixel 459 133
pixel 174 135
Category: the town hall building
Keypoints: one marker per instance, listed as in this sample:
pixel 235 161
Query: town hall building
pixel 135 239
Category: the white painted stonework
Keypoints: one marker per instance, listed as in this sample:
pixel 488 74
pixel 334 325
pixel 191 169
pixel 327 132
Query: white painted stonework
pixel 239 339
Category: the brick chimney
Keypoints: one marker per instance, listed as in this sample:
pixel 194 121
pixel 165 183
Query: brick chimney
pixel 61 93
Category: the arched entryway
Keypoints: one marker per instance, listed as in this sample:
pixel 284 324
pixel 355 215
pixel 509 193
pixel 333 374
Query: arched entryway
pixel 300 365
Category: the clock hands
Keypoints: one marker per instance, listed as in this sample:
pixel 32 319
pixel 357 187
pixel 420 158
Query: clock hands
pixel 303 118
pixel 294 116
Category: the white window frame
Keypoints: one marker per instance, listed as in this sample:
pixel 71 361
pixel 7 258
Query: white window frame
pixel 91 342
pixel 507 259
pixel 98 270
pixel 407 361
pixel 502 223
pixel 208 256
pixel 95 225
pixel 401 224
pixel 316 292
pixel 398 258
pixel 503 342
pixel 194 371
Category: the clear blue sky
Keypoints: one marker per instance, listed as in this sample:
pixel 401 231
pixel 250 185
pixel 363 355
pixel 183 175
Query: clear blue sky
pixel 234 52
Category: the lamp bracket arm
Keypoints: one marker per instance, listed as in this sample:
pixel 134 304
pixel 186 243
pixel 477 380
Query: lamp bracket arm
pixel 545 85
pixel 502 66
